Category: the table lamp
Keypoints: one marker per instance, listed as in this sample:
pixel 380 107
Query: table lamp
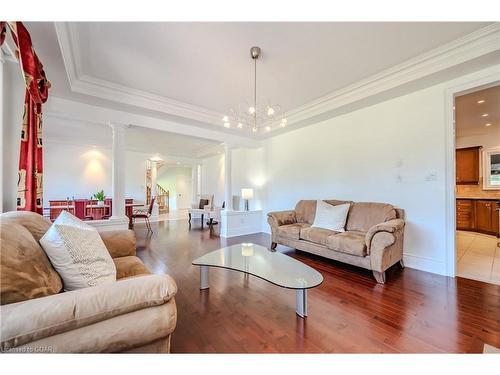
pixel 247 194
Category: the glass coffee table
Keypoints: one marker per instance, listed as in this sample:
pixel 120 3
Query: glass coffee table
pixel 274 267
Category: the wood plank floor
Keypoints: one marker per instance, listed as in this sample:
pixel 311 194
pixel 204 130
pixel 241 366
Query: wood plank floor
pixel 414 312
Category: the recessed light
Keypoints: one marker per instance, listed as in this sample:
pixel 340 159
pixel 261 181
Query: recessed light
pixel 484 115
pixel 178 162
pixel 480 101
pixel 488 124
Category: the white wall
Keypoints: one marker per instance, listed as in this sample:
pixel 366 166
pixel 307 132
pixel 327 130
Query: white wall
pixel 490 139
pixel 212 178
pixel 11 116
pixel 382 153
pixel 178 181
pixel 80 171
pixel 248 171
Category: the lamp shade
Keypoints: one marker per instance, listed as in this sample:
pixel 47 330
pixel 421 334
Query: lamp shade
pixel 247 193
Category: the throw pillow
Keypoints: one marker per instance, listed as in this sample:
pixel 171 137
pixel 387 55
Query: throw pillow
pixel 77 253
pixel 331 217
pixel 203 203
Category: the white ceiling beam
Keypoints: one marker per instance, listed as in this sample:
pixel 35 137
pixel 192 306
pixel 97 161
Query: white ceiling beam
pixel 79 111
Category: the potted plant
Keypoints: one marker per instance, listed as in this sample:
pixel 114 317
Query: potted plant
pixel 100 197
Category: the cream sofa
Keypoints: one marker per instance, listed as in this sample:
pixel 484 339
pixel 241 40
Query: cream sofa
pixel 373 238
pixel 137 313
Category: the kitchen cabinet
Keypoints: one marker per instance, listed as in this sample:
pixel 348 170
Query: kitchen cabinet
pixel 487 216
pixel 465 214
pixel 479 215
pixel 467 165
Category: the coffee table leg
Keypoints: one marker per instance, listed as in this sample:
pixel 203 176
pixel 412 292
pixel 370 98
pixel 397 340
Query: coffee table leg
pixel 301 303
pixel 204 277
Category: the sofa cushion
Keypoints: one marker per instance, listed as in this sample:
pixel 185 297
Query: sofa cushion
pixel 35 223
pixel 331 217
pixel 350 242
pixel 363 215
pixel 129 266
pixel 305 210
pixel 28 321
pixel 291 231
pixel 77 252
pixel 25 270
pixel 316 235
pixel 120 243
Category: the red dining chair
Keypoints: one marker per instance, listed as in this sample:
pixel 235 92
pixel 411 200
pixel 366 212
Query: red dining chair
pixel 108 202
pixel 80 205
pixel 138 214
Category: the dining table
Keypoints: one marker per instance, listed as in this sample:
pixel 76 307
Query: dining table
pixel 129 211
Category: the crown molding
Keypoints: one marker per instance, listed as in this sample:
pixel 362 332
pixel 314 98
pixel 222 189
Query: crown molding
pixel 478 43
pixel 85 84
pixel 475 44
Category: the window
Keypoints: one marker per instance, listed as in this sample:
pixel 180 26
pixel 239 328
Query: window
pixel 491 175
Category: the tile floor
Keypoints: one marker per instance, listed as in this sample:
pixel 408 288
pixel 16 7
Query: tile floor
pixel 478 257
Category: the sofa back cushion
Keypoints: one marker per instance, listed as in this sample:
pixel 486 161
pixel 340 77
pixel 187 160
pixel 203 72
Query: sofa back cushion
pixel 305 210
pixel 363 215
pixel 35 223
pixel 25 270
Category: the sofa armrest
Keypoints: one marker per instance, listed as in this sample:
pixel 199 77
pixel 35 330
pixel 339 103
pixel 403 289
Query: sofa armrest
pixel 282 217
pixel 27 321
pixel 120 243
pixel 390 226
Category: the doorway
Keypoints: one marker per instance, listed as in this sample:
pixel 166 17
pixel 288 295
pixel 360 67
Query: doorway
pixel 477 183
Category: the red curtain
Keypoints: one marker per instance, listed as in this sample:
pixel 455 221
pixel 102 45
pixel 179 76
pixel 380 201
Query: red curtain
pixel 29 183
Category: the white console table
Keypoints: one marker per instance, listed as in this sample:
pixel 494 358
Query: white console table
pixel 239 223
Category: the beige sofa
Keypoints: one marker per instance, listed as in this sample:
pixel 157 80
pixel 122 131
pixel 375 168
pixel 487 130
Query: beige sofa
pixel 373 238
pixel 135 314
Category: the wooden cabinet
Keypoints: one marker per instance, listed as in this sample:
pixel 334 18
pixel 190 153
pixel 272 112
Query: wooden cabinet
pixel 465 214
pixel 478 215
pixel 467 165
pixel 487 216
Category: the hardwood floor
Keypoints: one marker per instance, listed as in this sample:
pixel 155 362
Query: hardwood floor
pixel 349 312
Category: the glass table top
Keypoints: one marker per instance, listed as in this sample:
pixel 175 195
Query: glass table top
pixel 275 267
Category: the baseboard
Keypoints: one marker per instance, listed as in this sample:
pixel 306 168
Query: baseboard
pixel 424 264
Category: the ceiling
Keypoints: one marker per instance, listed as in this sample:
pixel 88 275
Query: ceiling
pixel 469 119
pixel 139 139
pixel 193 73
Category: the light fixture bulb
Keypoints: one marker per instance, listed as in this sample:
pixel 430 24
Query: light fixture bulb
pixel 270 111
pixel 488 124
pixel 254 129
pixel 480 101
pixel 484 115
pixel 225 119
pixel 268 128
pixel 227 125
pixel 251 110
pixel 240 125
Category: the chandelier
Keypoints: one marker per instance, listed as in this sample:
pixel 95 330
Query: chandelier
pixel 256 115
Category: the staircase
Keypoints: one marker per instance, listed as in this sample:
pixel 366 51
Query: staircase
pixel 162 195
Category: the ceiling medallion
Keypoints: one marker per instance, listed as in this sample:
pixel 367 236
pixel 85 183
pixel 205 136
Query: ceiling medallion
pixel 256 116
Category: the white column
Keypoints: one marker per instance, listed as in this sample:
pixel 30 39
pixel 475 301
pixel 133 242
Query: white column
pixel 228 194
pixel 154 187
pixel 118 170
pixel 194 182
pixel 154 176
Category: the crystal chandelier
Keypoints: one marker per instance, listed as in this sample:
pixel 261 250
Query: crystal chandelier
pixel 255 115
